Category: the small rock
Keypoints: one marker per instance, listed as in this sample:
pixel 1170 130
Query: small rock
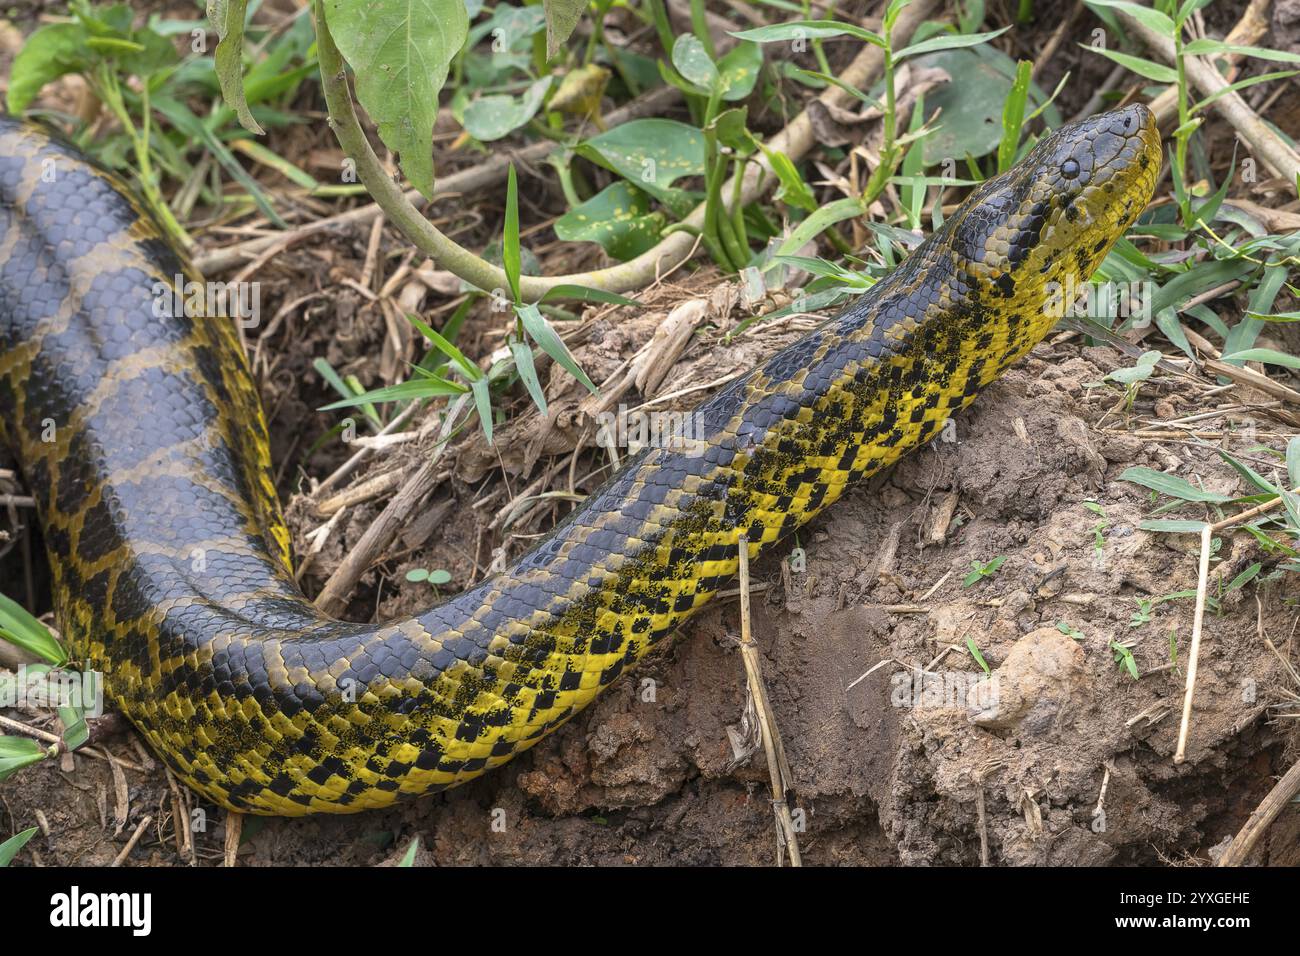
pixel 1041 673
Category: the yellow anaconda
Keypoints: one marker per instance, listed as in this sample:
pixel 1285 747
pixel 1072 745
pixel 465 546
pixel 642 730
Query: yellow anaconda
pixel 140 434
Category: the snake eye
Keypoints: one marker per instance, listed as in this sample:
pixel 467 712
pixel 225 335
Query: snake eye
pixel 1069 169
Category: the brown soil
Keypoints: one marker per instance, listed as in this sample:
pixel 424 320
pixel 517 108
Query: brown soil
pixel 647 774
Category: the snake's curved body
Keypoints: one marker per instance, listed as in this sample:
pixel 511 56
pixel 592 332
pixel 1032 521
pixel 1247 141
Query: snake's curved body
pixel 140 434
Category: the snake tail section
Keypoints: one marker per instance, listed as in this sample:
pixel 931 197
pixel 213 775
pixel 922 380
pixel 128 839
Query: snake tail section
pixel 138 429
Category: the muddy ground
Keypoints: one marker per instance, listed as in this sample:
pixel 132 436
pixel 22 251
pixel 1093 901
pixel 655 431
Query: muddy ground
pixel 864 640
pixel 889 768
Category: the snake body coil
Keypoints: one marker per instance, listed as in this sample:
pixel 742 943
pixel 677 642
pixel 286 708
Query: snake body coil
pixel 140 434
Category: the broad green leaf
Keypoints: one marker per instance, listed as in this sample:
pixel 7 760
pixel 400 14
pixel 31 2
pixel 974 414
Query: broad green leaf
pixel 618 218
pixel 693 62
pixel 739 69
pixel 652 154
pixel 227 18
pixel 562 17
pixel 18 627
pixel 49 53
pixel 492 117
pixel 9 849
pixel 1293 461
pixel 1171 485
pixel 399 51
pixel 971 104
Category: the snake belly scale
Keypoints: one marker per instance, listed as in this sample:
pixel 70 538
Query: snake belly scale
pixel 140 434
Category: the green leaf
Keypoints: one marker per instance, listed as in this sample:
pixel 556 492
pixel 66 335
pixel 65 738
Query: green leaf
pixel 49 53
pixel 432 387
pixel 540 331
pixel 652 154
pixel 1243 578
pixel 1267 356
pixel 9 849
pixel 739 69
pixel 1152 71
pixel 693 62
pixel 1206 46
pixel 75 730
pixel 952 41
pixel 618 218
pixel 1145 15
pixel 584 293
pixel 562 18
pixel 808 30
pixel 227 18
pixel 1251 476
pixel 1172 525
pixel 18 627
pixel 1171 485
pixel 1140 372
pixel 523 354
pixel 825 217
pixel 971 105
pixel 975 653
pixel 483 403
pixel 468 368
pixel 18 752
pixel 1293 461
pixel 793 191
pixel 416 575
pixel 408 857
pixel 1013 116
pixel 399 51
pixel 510 234
pixel 490 118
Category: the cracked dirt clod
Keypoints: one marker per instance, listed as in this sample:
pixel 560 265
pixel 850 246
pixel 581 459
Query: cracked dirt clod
pixel 1034 686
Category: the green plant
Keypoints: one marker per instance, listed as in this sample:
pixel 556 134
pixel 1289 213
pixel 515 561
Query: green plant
pixel 981 570
pixel 1124 658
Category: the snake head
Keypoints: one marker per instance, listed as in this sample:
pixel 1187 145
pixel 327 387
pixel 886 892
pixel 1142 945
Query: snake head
pixel 1053 217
